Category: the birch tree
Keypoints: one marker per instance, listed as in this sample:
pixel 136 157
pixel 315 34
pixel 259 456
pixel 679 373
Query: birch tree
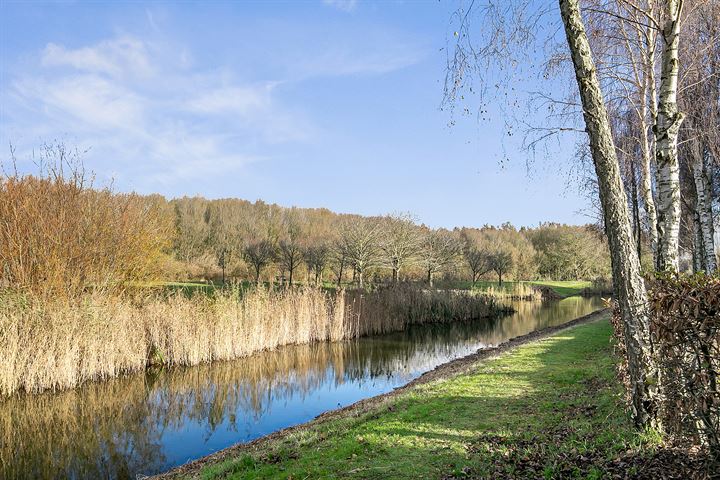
pixel 629 286
pixel 667 127
pixel 507 40
pixel 701 102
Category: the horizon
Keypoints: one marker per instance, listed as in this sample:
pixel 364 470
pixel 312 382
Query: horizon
pixel 340 108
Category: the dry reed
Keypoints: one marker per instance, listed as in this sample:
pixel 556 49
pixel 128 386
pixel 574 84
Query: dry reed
pixel 54 345
pixel 516 291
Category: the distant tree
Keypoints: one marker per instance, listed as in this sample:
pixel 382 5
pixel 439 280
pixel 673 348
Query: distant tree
pixel 500 262
pixel 439 250
pixel 361 241
pixel 316 258
pixel 223 258
pixel 478 261
pixel 290 248
pixel 259 254
pixel 400 243
pixel 569 252
pixel 339 255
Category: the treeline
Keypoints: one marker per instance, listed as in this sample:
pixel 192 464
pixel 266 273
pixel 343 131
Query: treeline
pixel 265 242
pixel 61 233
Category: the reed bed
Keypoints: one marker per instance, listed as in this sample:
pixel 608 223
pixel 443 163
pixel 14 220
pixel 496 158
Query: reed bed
pixel 55 345
pixel 516 291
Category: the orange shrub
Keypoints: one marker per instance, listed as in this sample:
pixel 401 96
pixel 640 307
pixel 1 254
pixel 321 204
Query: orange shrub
pixel 59 235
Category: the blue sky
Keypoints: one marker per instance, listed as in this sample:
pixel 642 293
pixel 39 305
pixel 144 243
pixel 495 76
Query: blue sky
pixel 311 103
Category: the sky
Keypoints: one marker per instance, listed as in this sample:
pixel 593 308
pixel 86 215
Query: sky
pixel 316 103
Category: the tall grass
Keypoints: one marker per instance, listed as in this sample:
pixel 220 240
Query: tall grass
pixel 514 291
pixel 61 343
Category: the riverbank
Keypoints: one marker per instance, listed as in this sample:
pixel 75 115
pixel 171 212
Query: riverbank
pixel 545 289
pixel 543 405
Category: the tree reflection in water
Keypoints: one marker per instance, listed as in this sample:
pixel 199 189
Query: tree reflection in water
pixel 150 422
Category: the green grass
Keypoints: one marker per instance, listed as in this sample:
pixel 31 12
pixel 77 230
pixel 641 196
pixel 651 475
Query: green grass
pixel 527 414
pixel 565 288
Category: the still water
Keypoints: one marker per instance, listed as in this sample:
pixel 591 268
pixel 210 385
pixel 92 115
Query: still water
pixel 148 423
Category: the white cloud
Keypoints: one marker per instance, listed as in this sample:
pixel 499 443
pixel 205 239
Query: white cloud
pixel 120 56
pixel 85 99
pixel 150 119
pixel 338 62
pixel 151 113
pixel 237 99
pixel 344 5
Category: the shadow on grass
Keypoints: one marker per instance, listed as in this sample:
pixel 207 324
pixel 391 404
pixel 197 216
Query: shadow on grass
pixel 547 410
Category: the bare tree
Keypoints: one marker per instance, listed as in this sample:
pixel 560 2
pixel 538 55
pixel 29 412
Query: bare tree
pixel 478 261
pixel 400 242
pixel 629 286
pixel 316 257
pixel 439 250
pixel 500 262
pixel 361 241
pixel 339 255
pixel 259 254
pixel 290 249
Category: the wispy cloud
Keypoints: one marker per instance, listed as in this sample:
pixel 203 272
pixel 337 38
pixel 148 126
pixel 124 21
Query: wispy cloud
pixel 157 122
pixel 344 5
pixel 153 114
pixel 119 56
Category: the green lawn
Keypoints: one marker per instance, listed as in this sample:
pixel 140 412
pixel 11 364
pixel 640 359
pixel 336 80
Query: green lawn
pixel 565 288
pixel 547 409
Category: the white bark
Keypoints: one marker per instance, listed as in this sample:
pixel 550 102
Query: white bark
pixel 646 184
pixel 628 283
pixel 667 127
pixel 706 252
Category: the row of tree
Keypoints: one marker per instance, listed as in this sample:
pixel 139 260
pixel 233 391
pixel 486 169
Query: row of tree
pixel 61 235
pixel 245 239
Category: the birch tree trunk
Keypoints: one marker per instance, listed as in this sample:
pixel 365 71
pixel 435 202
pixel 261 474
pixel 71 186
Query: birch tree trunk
pixel 647 154
pixel 703 207
pixel 629 286
pixel 667 127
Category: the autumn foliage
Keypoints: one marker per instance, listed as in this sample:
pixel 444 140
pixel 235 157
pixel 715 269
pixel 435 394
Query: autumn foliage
pixel 59 235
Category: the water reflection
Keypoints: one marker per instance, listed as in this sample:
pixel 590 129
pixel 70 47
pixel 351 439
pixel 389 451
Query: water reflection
pixel 152 422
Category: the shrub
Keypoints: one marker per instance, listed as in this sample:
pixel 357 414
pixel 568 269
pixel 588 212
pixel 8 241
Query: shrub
pixel 59 235
pixel 685 330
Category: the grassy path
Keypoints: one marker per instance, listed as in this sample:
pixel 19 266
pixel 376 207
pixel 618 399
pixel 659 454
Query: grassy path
pixel 550 408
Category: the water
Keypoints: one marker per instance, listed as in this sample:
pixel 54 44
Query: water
pixel 148 423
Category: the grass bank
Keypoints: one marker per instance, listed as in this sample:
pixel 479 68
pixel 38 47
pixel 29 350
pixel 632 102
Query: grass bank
pixel 563 288
pixel 547 409
pixel 59 344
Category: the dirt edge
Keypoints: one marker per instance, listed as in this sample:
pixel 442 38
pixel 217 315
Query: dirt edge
pixel 444 371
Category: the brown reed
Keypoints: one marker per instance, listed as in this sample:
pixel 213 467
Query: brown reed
pixel 55 344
